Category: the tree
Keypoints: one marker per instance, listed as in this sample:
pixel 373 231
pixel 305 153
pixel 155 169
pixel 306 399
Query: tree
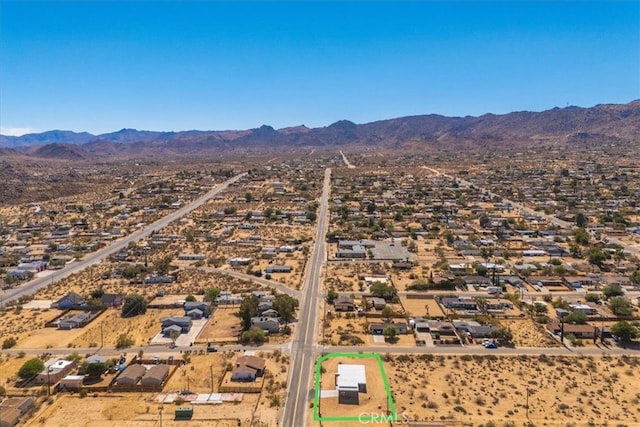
pixel 8 343
pixel 97 293
pixel 635 277
pixel 581 220
pixel 253 335
pixel 576 317
pixel 540 309
pixel 332 295
pixel 620 306
pixel 503 334
pixel 613 290
pixel 286 306
pixel 390 333
pixel 312 216
pixel 95 369
pixel 387 313
pixel 625 331
pixel 124 341
pixel 590 297
pixel 481 303
pixel 211 294
pixel 597 257
pixel 581 236
pixel 190 298
pixel 382 290
pixel 31 368
pixel 162 265
pixel 133 305
pixel 248 309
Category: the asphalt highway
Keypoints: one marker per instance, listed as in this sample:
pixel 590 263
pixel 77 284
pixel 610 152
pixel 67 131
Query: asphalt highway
pixel 303 349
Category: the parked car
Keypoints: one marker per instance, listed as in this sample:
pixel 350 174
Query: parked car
pixel 489 344
pixel 211 349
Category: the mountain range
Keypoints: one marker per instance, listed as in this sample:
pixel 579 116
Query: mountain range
pixel 604 123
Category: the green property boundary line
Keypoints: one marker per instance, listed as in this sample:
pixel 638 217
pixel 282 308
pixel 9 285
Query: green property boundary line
pixel 369 417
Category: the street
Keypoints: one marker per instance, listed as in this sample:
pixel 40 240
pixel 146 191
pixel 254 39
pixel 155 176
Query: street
pixel 35 285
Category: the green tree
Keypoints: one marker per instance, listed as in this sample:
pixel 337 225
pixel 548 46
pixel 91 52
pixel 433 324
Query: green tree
pixel 8 343
pixel 635 277
pixel 134 304
pixel 581 236
pixel 387 313
pixel 625 331
pixel 390 333
pixel 597 257
pixel 286 307
pixel 190 298
pixel 163 264
pixel 481 303
pixel 503 333
pixel 382 290
pixel 613 290
pixel 581 220
pixel 576 317
pixel 332 295
pixel 591 297
pixel 248 309
pixel 620 306
pixel 31 368
pixel 211 294
pixel 124 341
pixel 95 369
pixel 253 335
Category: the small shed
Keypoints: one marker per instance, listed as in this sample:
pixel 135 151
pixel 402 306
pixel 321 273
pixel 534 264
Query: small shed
pixel 72 382
pixel 184 413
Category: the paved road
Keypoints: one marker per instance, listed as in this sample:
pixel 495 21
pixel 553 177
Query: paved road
pixel 634 250
pixel 270 283
pixel 303 350
pixel 504 351
pixel 33 286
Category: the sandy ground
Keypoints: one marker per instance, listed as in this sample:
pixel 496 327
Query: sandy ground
pixel 223 327
pixel 142 409
pixel 422 307
pixel 490 390
pixel 372 400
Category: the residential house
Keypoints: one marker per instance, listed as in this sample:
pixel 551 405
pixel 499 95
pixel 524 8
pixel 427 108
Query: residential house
pixel 585 331
pixel 192 257
pixel 350 381
pixel 204 308
pixel 270 324
pixel 247 369
pixel 12 409
pixel 378 303
pixel 155 376
pixel 171 324
pixel 55 371
pixel 377 328
pixel 131 375
pixel 111 300
pixel 277 269
pixel 75 321
pixel 344 303
pixel 70 300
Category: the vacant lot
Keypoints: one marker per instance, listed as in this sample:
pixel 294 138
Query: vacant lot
pixel 561 390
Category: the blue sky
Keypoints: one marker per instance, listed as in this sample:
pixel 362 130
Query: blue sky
pixel 102 66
